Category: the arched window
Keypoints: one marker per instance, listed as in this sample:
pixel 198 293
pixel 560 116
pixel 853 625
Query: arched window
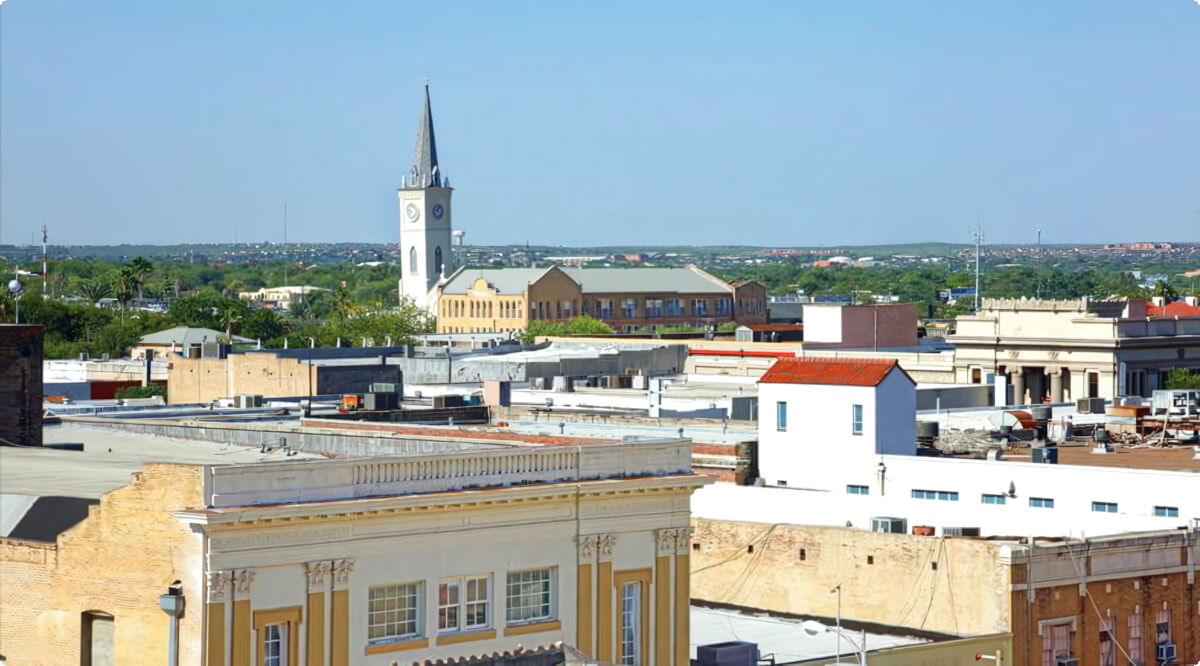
pixel 437 261
pixel 412 261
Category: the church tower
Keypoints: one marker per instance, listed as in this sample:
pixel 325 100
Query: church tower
pixel 425 233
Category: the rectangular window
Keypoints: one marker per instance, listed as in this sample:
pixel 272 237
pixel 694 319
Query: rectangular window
pixel 530 596
pixel 724 306
pixel 781 416
pixel 1104 507
pixel 275 645
pixel 993 499
pixel 654 308
pixel 463 603
pixel 699 307
pixel 858 490
pixel 631 624
pixel 674 307
pixel 856 419
pixel 1041 502
pixel 1162 627
pixel 1135 637
pixel 943 495
pixel 1056 643
pixel 393 612
pixel 1108 648
pixel 629 308
pixel 1166 511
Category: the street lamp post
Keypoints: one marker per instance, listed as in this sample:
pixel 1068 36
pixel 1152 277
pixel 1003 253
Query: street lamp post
pixel 812 628
pixel 15 287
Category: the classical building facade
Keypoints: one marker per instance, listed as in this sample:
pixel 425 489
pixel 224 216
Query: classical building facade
pixel 1065 350
pixel 508 299
pixel 369 561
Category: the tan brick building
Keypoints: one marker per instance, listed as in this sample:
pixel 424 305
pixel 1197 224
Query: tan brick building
pixel 1059 599
pixel 509 299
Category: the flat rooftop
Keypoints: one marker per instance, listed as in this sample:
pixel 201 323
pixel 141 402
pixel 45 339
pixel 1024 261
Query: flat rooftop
pixel 1176 459
pixel 781 636
pixel 108 460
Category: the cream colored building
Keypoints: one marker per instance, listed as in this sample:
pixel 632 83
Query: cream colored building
pixel 1067 350
pixel 280 298
pixel 370 561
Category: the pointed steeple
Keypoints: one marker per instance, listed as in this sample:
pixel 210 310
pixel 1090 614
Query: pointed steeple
pixel 425 172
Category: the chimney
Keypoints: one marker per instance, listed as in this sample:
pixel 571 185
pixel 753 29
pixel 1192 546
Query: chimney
pixel 146 379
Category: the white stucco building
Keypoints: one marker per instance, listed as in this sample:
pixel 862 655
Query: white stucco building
pixel 837 442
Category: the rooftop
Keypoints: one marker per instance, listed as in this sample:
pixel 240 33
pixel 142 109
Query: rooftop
pixel 108 459
pixel 829 371
pixel 781 636
pixel 185 336
pixel 1176 459
pixel 593 280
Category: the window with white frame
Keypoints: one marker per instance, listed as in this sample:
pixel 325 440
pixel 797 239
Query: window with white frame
pixel 530 596
pixel 993 499
pixel 1104 507
pixel 781 416
pixel 858 490
pixel 1135 636
pixel 1056 643
pixel 943 495
pixel 1041 502
pixel 631 624
pixel 463 603
pixel 1166 511
pixel 393 612
pixel 1162 627
pixel 275 645
pixel 1108 647
pixel 724 306
pixel 856 419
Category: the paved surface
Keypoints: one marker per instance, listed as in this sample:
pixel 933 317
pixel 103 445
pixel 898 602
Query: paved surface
pixel 107 461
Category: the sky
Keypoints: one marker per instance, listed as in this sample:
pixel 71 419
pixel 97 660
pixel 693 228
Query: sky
pixel 567 122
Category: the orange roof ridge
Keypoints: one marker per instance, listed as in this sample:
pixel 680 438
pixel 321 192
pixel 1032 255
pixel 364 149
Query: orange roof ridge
pixel 830 371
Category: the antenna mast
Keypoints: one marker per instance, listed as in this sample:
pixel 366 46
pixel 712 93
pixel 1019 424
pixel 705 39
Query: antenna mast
pixel 45 258
pixel 285 252
pixel 977 235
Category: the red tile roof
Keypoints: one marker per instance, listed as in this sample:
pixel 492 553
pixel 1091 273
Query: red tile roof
pixel 829 371
pixel 1176 309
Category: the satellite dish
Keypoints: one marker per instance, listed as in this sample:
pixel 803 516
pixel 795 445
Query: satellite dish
pixel 14 286
pixel 1001 419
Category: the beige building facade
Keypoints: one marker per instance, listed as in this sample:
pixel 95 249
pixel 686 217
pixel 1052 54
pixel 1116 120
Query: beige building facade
pixel 369 561
pixel 508 299
pixel 1066 350
pixel 1105 601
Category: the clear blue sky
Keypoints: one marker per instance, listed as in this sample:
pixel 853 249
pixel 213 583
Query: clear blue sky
pixel 618 122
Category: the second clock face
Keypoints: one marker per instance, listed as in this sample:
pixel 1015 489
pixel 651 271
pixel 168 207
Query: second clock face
pixel 413 212
pixel 438 211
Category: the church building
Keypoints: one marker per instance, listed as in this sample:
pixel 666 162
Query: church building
pixel 508 299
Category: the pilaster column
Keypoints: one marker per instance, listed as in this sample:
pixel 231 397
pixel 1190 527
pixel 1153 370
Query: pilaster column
pixel 339 640
pixel 243 647
pixel 1056 385
pixel 317 576
pixel 665 545
pixel 220 584
pixel 1017 379
pixel 683 595
pixel 604 597
pixel 584 617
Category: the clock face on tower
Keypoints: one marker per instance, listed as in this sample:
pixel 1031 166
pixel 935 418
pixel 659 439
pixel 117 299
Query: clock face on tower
pixel 438 211
pixel 413 212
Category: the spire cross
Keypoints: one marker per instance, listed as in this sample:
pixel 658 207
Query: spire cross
pixel 426 81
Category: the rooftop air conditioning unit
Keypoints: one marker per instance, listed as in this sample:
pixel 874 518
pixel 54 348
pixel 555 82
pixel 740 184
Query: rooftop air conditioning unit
pixel 1165 652
pixel 884 525
pixel 732 653
pixel 1067 661
pixel 960 531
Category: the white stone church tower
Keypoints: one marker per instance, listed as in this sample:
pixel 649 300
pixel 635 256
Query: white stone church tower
pixel 426 255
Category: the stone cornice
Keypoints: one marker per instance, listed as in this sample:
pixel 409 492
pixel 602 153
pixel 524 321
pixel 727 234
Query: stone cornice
pixel 217 522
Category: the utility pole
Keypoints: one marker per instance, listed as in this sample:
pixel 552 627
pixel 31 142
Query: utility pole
pixel 977 235
pixel 45 260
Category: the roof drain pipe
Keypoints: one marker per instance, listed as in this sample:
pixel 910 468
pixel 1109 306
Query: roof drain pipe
pixel 172 604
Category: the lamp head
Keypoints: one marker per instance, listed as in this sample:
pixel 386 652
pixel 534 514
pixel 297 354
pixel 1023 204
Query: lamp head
pixel 14 286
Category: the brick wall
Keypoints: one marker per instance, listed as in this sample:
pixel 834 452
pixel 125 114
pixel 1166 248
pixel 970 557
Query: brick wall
pixel 21 384
pixel 117 561
pixel 885 578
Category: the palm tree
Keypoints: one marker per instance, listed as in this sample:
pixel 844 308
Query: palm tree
pixel 229 317
pixel 139 268
pixel 94 290
pixel 123 284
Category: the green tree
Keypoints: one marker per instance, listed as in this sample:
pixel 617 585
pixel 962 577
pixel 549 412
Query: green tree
pixel 93 290
pixel 139 268
pixel 1165 291
pixel 1182 378
pixel 582 325
pixel 263 324
pixel 148 391
pixel 123 284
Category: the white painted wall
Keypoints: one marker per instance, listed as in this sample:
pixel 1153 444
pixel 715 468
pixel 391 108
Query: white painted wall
pixel 822 322
pixel 818 453
pixel 819 427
